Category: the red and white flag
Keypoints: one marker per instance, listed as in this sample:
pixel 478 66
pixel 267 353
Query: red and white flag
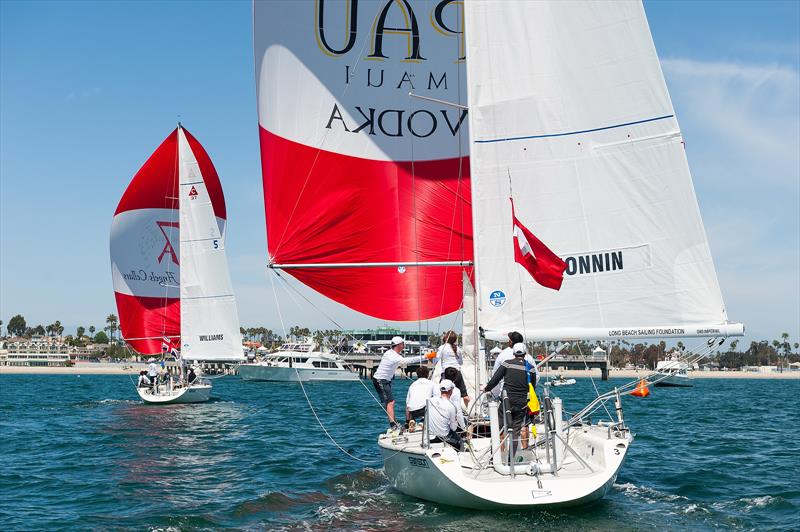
pixel 545 267
pixel 166 344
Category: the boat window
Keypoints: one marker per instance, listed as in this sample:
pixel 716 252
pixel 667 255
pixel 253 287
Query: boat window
pixel 317 364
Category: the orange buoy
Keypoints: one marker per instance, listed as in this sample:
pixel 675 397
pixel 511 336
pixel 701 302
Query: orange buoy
pixel 642 389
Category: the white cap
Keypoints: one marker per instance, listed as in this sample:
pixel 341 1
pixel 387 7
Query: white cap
pixel 519 349
pixel 397 340
pixel 446 385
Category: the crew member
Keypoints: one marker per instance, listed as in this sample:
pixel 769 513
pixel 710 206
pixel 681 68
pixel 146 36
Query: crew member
pixel 515 376
pixel 382 378
pixel 442 423
pixel 451 356
pixel 508 354
pixel 143 382
pixel 152 372
pixel 417 397
pixel 455 398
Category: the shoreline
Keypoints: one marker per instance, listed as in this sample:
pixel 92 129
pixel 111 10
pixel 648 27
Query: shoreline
pixel 133 368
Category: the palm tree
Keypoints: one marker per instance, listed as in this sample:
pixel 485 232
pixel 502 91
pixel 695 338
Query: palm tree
pixel 112 321
pixel 91 330
pixel 57 328
pixel 785 338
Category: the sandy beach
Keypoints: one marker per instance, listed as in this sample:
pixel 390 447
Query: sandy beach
pixel 81 368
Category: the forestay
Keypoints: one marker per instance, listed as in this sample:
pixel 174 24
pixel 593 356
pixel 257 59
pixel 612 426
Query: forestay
pixel 579 127
pixel 356 171
pixel 209 318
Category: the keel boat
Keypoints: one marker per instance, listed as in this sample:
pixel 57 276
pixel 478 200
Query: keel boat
pixel 518 160
pixel 171 282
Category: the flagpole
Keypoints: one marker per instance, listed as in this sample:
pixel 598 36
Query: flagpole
pixel 514 240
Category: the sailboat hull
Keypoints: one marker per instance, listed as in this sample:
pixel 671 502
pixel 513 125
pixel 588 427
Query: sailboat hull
pixel 197 393
pixel 441 474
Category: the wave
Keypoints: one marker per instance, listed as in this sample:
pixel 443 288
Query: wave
pixel 647 494
pixel 276 501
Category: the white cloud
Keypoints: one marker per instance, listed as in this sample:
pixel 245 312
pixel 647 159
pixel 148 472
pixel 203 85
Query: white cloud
pixel 750 109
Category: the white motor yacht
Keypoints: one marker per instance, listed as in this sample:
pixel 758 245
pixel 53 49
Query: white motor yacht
pixel 297 361
pixel 672 372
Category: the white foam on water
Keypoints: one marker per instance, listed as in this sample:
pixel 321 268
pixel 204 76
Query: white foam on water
pixel 646 494
pixel 695 508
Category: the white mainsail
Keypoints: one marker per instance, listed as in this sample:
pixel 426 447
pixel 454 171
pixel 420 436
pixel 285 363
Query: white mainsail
pixel 209 318
pixel 578 126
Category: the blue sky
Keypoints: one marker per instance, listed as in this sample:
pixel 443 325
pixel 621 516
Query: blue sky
pixel 89 89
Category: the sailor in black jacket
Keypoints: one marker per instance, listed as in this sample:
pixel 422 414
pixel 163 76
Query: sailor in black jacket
pixel 515 377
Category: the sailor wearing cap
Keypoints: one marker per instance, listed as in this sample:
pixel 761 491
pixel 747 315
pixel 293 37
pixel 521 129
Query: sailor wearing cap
pixel 514 373
pixel 442 417
pixel 508 354
pixel 382 378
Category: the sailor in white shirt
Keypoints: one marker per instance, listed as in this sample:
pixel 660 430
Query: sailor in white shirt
pixel 442 418
pixel 417 397
pixel 507 354
pixel 382 378
pixel 449 355
pixel 455 398
pixel 152 372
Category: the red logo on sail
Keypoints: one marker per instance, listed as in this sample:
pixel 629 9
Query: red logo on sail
pixel 168 245
pixel 545 267
pixel 193 193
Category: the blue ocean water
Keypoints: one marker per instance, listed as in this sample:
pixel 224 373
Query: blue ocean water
pixel 85 453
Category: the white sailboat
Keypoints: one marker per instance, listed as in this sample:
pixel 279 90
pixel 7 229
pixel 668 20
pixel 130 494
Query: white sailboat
pixel 175 298
pixel 569 115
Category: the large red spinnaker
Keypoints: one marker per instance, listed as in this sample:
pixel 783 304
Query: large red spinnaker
pixel 145 250
pixel 355 170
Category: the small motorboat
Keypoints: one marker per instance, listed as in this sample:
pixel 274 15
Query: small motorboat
pixel 561 381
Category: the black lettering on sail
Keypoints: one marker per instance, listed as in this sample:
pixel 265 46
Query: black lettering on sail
pixel 454 129
pixel 411 123
pixel 369 78
pixel 597 263
pixel 583 264
pixel 442 80
pixel 370 121
pixel 351 16
pixel 572 265
pixel 406 79
pixel 399 126
pixel 616 260
pixel 412 33
pixel 438 17
pixel 336 115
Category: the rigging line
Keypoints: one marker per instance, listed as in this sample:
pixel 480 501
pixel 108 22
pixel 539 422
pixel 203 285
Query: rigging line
pixel 288 286
pixel 300 381
pixel 324 137
pixel 277 304
pixel 596 391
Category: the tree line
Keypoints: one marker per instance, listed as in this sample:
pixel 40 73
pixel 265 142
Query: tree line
pixel 777 352
pixel 17 326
